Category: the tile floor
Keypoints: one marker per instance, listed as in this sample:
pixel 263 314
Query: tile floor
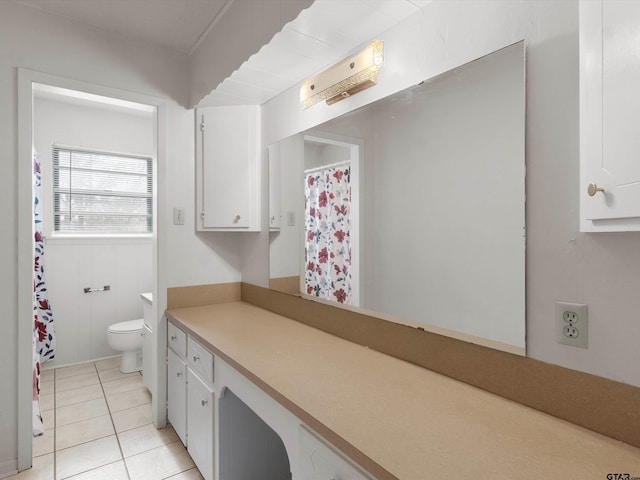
pixel 98 426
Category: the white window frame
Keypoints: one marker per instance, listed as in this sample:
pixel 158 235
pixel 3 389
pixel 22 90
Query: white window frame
pixel 49 191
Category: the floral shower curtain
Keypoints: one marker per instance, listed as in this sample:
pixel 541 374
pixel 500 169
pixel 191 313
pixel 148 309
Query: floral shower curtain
pixel 43 333
pixel 328 233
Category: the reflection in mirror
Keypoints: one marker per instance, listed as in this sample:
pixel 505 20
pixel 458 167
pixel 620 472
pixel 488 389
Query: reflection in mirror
pixel 413 206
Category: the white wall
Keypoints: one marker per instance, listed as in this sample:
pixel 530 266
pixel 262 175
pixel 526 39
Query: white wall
pixel 601 270
pixel 81 320
pixel 285 243
pixel 34 40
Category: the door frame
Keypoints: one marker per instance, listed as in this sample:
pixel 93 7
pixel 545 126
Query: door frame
pixel 26 79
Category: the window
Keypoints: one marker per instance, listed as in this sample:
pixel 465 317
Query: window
pixel 101 193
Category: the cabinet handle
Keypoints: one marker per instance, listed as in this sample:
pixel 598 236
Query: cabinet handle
pixel 204 402
pixel 178 374
pixel 196 358
pixel 237 219
pixel 592 189
pixel 173 338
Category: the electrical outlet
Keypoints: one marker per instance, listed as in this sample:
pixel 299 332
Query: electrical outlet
pixel 291 219
pixel 571 324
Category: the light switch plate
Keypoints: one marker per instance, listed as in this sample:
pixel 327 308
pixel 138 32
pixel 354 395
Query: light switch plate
pixel 178 216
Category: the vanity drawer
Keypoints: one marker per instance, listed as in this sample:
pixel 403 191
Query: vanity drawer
pixel 319 461
pixel 200 360
pixel 177 340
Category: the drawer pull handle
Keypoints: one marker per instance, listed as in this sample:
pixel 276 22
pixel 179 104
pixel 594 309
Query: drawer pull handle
pixel 196 358
pixel 173 338
pixel 204 402
pixel 179 374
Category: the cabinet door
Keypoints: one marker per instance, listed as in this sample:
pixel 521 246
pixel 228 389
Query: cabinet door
pixel 229 164
pixel 177 395
pixel 609 111
pixel 200 408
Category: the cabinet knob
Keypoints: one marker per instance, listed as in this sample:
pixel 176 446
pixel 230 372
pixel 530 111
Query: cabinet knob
pixel 178 374
pixel 173 338
pixel 196 358
pixel 237 219
pixel 592 189
pixel 204 402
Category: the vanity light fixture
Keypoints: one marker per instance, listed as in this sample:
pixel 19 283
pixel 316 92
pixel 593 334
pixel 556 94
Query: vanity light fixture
pixel 345 78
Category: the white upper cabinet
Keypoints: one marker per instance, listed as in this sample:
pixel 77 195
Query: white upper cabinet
pixel 609 116
pixel 228 168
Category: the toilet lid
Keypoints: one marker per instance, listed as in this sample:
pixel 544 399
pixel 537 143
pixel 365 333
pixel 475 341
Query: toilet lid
pixel 128 326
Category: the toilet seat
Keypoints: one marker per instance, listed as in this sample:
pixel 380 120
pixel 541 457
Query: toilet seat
pixel 127 326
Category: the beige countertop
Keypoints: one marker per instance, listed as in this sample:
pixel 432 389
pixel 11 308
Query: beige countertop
pixel 398 420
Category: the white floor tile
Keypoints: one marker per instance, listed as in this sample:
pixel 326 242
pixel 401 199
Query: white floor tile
pixel 83 428
pixel 46 402
pixel 107 363
pixel 159 463
pixel 86 456
pixel 131 418
pixel 84 431
pixel 114 374
pixel 112 471
pixel 130 399
pixel 81 411
pixel 76 381
pixel 74 370
pixel 193 474
pixel 122 385
pixel 78 395
pixel 43 444
pixel 145 438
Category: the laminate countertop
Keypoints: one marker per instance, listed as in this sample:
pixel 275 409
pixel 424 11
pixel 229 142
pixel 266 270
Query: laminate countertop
pixel 398 420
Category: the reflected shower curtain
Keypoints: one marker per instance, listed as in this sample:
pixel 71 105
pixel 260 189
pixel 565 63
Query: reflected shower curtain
pixel 328 233
pixel 43 333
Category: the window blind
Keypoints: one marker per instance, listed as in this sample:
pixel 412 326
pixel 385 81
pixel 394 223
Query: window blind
pixel 101 193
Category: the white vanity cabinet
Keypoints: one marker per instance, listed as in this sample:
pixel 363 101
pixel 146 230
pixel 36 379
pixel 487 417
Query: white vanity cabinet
pixel 609 109
pixel 200 407
pixel 228 168
pixel 190 397
pixel 177 395
pixel 200 424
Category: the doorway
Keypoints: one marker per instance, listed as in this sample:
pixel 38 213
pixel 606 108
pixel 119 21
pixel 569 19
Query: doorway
pixel 30 85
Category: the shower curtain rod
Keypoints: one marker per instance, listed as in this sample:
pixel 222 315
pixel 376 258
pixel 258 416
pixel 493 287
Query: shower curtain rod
pixel 323 167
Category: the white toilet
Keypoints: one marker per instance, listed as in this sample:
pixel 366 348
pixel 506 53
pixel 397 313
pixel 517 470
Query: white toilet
pixel 127 338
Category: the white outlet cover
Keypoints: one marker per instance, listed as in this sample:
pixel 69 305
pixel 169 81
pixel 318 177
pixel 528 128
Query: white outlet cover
pixel 572 315
pixel 178 216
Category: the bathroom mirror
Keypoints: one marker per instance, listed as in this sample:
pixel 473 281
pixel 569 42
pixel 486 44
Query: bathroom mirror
pixel 413 206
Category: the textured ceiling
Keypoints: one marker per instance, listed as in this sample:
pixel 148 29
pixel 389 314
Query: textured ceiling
pixel 178 24
pixel 321 35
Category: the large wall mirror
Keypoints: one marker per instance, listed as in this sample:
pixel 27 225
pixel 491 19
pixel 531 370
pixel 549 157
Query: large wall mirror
pixel 414 205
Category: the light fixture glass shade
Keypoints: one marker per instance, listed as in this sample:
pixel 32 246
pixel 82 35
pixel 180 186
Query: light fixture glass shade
pixel 345 78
